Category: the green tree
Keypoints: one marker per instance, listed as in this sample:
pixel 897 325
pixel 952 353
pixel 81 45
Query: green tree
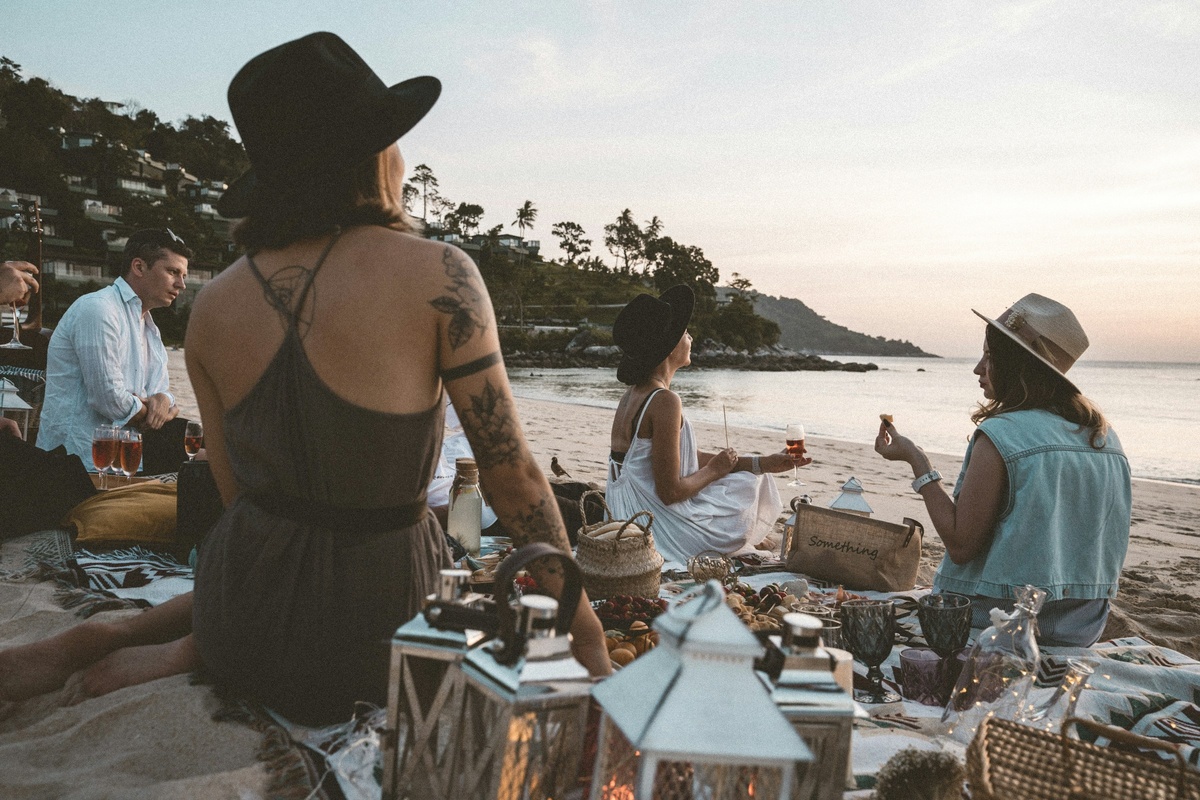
pixel 570 239
pixel 423 177
pixel 672 263
pixel 526 216
pixel 467 217
pixel 626 241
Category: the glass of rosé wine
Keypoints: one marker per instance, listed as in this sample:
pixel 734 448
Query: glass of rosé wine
pixel 795 449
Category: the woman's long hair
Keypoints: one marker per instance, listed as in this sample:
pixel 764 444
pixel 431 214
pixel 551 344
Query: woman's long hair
pixel 1020 381
pixel 370 195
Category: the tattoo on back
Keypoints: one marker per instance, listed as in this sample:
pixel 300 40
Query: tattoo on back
pixel 493 419
pixel 463 301
pixel 283 288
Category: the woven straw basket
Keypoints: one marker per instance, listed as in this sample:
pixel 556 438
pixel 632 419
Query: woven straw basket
pixel 1007 760
pixel 626 563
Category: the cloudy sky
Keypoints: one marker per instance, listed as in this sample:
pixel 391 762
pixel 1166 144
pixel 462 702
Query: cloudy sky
pixel 891 164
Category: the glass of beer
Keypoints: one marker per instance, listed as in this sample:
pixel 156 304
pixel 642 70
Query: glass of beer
pixel 104 450
pixel 795 449
pixel 193 439
pixel 131 454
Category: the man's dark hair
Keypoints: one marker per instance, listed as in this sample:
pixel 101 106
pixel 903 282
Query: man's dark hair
pixel 150 244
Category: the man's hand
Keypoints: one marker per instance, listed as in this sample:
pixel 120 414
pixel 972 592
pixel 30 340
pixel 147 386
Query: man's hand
pixel 10 427
pixel 159 411
pixel 16 281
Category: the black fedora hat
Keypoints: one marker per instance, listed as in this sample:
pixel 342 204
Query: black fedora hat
pixel 310 110
pixel 648 328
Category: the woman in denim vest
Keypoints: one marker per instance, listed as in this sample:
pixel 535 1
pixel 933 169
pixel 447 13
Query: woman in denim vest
pixel 1044 496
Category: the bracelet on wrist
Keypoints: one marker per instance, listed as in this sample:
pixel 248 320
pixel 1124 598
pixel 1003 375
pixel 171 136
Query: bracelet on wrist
pixel 928 478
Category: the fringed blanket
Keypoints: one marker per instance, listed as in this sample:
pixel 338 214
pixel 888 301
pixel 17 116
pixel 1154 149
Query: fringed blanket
pixel 91 582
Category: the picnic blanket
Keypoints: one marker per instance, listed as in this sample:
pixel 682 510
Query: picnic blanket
pixel 1150 690
pixel 90 582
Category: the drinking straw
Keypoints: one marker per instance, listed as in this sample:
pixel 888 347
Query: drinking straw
pixel 725 417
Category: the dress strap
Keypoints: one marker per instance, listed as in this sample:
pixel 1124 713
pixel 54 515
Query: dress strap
pixel 637 425
pixel 280 297
pixel 313 275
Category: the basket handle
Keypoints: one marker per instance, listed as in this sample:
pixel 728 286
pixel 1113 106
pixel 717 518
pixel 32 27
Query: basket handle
pixel 628 522
pixel 1124 737
pixel 583 509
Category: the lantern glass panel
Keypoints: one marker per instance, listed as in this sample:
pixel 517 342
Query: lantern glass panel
pixel 617 765
pixel 533 738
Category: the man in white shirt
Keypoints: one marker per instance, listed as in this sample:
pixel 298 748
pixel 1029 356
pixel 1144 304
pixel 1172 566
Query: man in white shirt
pixel 106 363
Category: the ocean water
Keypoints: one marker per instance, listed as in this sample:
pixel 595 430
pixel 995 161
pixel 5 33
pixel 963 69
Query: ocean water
pixel 1153 407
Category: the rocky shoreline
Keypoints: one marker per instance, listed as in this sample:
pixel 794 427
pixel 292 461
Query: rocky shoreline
pixel 708 354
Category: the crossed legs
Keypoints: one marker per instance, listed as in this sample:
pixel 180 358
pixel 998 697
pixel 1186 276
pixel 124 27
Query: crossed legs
pixel 136 649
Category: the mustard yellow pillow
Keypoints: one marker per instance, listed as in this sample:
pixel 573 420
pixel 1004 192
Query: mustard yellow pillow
pixel 143 512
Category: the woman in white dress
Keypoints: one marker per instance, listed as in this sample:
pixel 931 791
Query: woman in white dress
pixel 700 501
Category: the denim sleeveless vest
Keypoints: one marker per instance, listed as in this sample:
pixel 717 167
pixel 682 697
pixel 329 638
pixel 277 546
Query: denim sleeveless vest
pixel 1064 526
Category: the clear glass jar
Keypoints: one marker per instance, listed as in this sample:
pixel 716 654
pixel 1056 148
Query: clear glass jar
pixel 1000 669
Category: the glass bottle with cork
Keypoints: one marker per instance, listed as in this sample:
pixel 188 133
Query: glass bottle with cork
pixel 466 506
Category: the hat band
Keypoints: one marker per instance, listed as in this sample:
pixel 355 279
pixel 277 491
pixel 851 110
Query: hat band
pixel 1016 323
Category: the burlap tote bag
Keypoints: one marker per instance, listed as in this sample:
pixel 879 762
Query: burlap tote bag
pixel 618 556
pixel 853 551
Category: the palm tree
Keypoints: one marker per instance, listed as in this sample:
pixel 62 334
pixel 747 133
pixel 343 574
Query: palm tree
pixel 526 215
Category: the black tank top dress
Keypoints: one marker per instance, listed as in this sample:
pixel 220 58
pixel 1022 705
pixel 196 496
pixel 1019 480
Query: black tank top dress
pixel 328 548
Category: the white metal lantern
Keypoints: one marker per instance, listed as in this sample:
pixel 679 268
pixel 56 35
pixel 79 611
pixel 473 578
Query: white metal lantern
pixel 502 719
pixel 851 499
pixel 425 690
pixel 675 722
pixel 11 405
pixel 522 728
pixel 819 710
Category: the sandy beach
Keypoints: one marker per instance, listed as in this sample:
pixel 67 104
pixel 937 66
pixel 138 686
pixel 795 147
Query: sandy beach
pixel 1159 597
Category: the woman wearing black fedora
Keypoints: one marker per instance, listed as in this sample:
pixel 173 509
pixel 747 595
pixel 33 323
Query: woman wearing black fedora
pixel 319 361
pixel 1044 496
pixel 701 501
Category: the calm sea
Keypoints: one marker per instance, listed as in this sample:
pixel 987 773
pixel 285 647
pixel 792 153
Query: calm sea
pixel 1154 407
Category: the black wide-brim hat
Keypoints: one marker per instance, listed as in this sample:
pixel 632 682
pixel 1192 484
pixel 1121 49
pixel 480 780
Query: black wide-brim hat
pixel 648 328
pixel 311 110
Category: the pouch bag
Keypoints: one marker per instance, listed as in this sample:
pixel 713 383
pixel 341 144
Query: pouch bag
pixel 854 551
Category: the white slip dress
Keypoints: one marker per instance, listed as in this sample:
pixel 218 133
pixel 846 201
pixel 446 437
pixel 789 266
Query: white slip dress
pixel 729 515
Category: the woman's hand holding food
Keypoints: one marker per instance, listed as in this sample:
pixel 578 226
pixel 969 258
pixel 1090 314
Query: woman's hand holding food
pixel 894 447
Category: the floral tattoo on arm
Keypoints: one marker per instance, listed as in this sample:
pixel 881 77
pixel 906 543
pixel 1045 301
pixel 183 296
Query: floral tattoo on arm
pixel 463 301
pixel 541 523
pixel 492 417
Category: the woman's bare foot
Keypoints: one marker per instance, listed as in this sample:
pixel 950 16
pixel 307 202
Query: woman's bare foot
pixel 33 669
pixel 134 665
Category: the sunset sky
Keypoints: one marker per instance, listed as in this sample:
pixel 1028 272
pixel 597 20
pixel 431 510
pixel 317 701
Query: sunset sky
pixel 891 164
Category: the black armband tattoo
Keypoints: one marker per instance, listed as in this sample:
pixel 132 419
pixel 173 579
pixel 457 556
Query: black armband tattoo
pixel 492 418
pixel 471 367
pixel 463 302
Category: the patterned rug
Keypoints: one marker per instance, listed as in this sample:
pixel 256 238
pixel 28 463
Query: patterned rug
pixel 90 582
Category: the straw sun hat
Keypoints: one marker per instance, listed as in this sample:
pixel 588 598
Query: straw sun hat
pixel 1046 328
pixel 309 111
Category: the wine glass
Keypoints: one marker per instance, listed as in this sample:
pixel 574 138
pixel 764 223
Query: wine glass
pixel 131 454
pixel 15 342
pixel 795 449
pixel 193 439
pixel 869 631
pixel 104 451
pixel 945 621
